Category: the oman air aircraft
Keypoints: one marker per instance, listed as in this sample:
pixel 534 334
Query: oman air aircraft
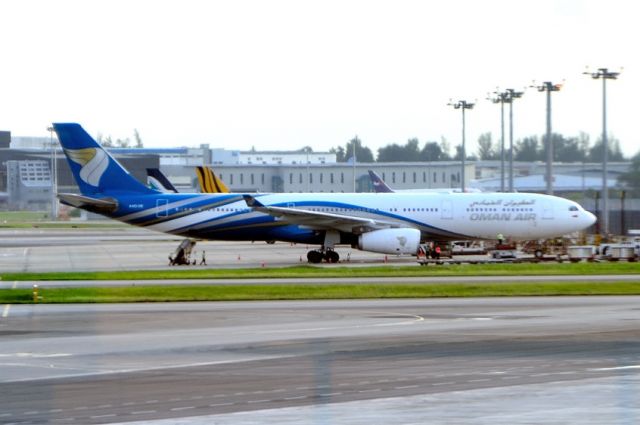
pixel 390 223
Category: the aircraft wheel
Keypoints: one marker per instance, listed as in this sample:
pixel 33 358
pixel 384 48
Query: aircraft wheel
pixel 314 257
pixel 332 257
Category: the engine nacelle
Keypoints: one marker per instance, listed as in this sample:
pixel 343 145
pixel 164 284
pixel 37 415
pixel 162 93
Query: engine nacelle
pixel 390 241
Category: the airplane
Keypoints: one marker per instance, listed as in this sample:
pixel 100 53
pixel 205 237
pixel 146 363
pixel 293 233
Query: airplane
pixel 381 187
pixel 208 181
pixel 158 181
pixel 393 223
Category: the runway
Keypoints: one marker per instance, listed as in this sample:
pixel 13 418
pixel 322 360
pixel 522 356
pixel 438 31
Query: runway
pixel 505 361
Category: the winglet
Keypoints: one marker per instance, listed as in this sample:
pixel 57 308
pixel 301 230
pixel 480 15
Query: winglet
pixel 251 201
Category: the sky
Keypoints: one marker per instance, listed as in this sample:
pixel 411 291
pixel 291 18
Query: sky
pixel 284 74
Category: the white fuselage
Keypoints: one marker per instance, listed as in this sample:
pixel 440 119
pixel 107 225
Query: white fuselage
pixel 436 215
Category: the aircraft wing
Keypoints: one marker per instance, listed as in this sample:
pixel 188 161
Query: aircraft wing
pixel 320 220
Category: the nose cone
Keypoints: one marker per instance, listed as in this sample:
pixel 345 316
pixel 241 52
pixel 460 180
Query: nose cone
pixel 589 219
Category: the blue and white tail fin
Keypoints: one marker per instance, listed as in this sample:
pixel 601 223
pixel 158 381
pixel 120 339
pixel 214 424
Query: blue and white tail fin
pixel 158 181
pixel 378 184
pixel 96 172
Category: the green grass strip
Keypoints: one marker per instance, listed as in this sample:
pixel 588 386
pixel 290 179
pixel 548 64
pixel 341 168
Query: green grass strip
pixel 313 292
pixel 186 272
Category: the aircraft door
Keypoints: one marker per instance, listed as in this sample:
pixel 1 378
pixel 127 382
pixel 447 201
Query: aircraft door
pixel 162 207
pixel 547 211
pixel 446 210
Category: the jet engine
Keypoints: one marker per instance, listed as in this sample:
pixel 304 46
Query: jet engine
pixel 390 241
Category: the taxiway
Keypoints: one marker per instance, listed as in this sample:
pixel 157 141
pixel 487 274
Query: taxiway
pixel 425 361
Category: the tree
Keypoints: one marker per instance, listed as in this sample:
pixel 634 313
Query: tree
pixel 566 149
pixel 339 151
pixel 108 142
pixel 431 152
pixel 137 138
pixel 613 146
pixel 486 150
pixel 584 142
pixel 363 153
pixel 444 147
pixel 458 155
pixel 123 143
pixel 528 149
pixel 395 152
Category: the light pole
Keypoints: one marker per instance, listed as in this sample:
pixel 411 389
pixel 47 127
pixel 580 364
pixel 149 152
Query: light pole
pixel 54 209
pixel 308 171
pixel 462 105
pixel 512 96
pixel 549 87
pixel 605 74
pixel 501 98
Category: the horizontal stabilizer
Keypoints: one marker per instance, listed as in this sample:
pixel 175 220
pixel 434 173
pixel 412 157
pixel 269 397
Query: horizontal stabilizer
pixel 100 206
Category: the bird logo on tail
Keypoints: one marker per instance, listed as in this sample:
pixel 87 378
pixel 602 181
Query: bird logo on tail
pixel 94 163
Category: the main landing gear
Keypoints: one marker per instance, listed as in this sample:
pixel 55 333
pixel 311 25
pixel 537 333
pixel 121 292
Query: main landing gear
pixel 326 252
pixel 318 255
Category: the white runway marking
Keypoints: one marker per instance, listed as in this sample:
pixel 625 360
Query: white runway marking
pixel 604 369
pixel 406 387
pixel 110 415
pixel 35 355
pixel 7 308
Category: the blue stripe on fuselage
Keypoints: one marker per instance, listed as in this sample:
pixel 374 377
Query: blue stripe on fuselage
pixel 147 206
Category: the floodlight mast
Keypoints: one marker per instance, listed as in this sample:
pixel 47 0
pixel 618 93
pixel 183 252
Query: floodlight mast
pixel 462 105
pixel 501 98
pixel 53 175
pixel 605 75
pixel 512 94
pixel 549 87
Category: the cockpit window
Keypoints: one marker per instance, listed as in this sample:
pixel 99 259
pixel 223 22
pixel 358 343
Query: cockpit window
pixel 573 208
